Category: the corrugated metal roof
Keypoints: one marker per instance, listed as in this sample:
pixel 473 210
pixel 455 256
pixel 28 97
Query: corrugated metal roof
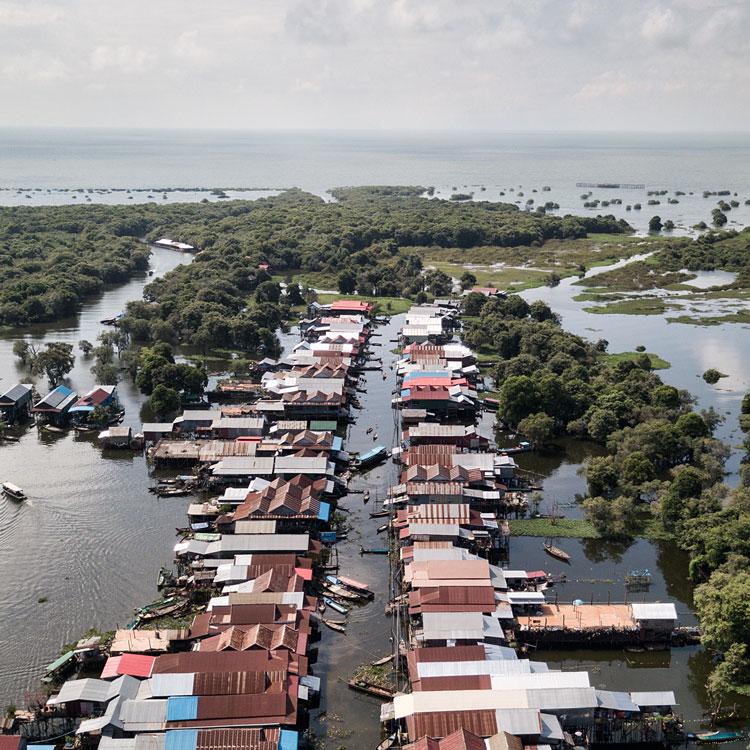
pixel 551 729
pixel 151 712
pixel 87 689
pixel 654 611
pixel 538 680
pixel 615 701
pixel 181 739
pixel 561 699
pixel 441 724
pixel 452 625
pixel 178 683
pixel 523 721
pixel 487 666
pixel 182 708
pixel 654 698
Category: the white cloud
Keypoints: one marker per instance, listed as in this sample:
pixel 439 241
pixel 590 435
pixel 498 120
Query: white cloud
pixel 27 14
pixel 121 57
pixel 518 64
pixel 33 67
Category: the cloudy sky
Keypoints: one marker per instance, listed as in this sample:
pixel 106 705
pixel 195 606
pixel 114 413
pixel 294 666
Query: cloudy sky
pixel 377 64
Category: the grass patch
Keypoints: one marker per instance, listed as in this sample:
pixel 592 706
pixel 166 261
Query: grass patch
pixel 577 528
pixel 385 305
pixel 637 276
pixel 570 528
pixel 638 306
pixel 592 296
pixel 742 316
pixel 657 363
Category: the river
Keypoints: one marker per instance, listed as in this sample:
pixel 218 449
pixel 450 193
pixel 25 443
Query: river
pixel 91 538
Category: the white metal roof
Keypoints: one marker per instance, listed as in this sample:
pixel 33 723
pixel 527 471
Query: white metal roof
pixel 255 527
pixel 615 700
pixel 539 680
pixel 452 625
pixel 562 699
pixel 654 698
pixel 178 683
pixel 469 668
pixel 519 721
pixel 654 611
pixel 87 689
pixel 143 716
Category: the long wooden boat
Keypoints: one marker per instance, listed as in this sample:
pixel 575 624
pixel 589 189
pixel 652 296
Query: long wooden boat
pixel 720 735
pixel 352 583
pixel 333 604
pixel 380 514
pixel 373 550
pixel 380 662
pixel 335 590
pixel 387 743
pixel 560 554
pixel 381 529
pixel 370 689
pixel 339 627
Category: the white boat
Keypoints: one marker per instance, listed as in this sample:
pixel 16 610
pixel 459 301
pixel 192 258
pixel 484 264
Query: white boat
pixel 13 491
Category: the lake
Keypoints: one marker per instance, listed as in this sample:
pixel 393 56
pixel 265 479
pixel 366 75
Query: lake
pixel 35 164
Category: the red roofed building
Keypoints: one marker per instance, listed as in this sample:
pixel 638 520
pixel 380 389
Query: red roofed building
pixel 458 740
pixel 355 306
pixel 135 665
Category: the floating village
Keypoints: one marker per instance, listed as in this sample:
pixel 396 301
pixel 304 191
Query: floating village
pixel 227 658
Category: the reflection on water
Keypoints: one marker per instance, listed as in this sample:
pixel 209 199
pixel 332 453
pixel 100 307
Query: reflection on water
pixel 91 538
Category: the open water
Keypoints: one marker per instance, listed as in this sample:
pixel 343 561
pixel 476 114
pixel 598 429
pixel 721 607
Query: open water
pixel 36 164
pixel 91 538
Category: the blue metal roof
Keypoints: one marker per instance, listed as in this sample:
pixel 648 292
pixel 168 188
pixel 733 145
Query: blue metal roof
pixel 337 443
pixel 181 739
pixel 324 511
pixel 182 708
pixel 288 739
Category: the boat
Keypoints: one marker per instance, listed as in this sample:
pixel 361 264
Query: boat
pixel 339 591
pixel 382 528
pixel 387 743
pixel 52 428
pixel 357 587
pixel 720 735
pixel 638 577
pixel 373 550
pixel 13 491
pixel 560 554
pixel 172 491
pixel 367 687
pixel 368 430
pixel 380 662
pixel 380 514
pixel 375 456
pixel 333 604
pixel 339 627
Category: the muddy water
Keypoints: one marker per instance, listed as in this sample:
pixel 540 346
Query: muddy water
pixel 91 538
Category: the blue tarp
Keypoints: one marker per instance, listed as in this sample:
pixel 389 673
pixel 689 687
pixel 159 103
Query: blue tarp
pixel 324 512
pixel 182 708
pixel 288 739
pixel 328 537
pixel 81 409
pixel 338 443
pixel 181 739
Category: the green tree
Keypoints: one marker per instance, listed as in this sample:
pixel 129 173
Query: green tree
pixel 347 282
pixel 56 360
pixel 473 303
pixel 24 352
pixel 163 401
pixel 294 295
pixel 654 224
pixel 637 469
pixel 468 280
pixel 692 425
pixel 712 375
pixel 539 428
pixel 601 476
pixel 612 519
pixel 85 347
pixel 518 398
pixel 723 605
pixel 730 675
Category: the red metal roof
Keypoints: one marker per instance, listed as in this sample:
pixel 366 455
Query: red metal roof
pixel 135 665
pixel 265 738
pixel 441 724
pixel 455 682
pixel 12 741
pixel 351 304
pixel 221 661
